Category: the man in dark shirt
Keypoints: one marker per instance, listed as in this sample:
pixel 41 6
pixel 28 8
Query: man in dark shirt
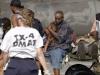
pixel 37 25
pixel 63 44
pixel 16 7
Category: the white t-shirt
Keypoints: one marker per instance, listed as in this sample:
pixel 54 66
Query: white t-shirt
pixel 22 42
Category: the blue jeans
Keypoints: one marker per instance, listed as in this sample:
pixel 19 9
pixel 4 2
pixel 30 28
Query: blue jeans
pixel 56 56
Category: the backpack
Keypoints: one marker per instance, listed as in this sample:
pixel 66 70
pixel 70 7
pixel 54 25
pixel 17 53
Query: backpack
pixel 87 48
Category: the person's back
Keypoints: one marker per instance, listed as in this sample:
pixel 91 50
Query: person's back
pixel 22 42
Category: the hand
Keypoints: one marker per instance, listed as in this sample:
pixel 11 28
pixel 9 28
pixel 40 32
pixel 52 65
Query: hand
pixel 87 35
pixel 49 28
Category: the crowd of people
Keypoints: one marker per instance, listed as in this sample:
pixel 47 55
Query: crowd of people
pixel 25 42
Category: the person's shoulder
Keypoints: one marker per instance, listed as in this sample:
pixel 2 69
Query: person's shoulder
pixel 65 22
pixel 37 20
pixel 53 22
pixel 14 29
pixel 34 29
pixel 10 32
pixel 11 29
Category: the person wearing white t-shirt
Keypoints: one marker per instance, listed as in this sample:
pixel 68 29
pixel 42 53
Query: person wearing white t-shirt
pixel 23 43
pixel 95 32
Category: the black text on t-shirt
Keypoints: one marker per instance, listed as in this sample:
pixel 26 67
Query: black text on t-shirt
pixel 21 40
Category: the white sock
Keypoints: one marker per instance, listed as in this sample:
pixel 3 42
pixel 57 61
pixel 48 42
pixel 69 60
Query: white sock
pixel 39 72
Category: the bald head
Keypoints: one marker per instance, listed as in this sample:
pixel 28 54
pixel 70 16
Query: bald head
pixel 59 16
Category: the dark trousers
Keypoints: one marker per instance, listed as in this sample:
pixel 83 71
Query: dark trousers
pixel 18 66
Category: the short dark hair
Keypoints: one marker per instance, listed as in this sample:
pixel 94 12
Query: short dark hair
pixel 16 3
pixel 98 16
pixel 6 23
pixel 60 12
